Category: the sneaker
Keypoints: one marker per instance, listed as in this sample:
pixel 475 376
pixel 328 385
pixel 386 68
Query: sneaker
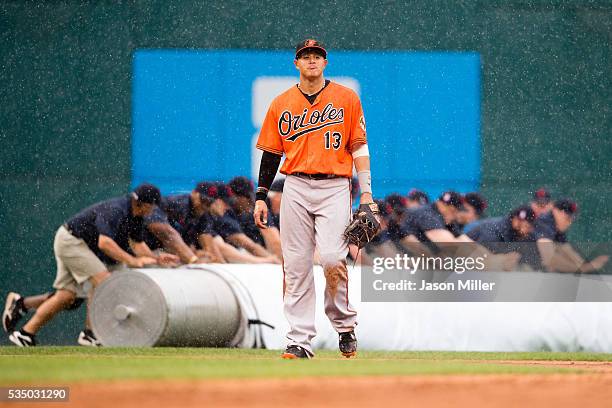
pixel 348 344
pixel 87 338
pixel 293 352
pixel 22 339
pixel 13 311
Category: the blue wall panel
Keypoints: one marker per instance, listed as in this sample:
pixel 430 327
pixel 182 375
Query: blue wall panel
pixel 193 115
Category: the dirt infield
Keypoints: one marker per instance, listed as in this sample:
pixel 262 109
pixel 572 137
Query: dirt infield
pixel 590 388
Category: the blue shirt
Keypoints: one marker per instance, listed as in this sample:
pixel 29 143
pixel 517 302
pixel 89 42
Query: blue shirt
pixel 497 235
pixel 546 227
pixel 471 225
pixel 421 219
pixel 112 218
pixel 247 224
pixel 178 211
pixel 496 229
pixel 225 226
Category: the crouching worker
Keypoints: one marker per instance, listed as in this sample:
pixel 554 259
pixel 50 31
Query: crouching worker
pixel 87 246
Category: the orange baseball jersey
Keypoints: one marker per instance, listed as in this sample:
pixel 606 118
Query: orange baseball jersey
pixel 315 138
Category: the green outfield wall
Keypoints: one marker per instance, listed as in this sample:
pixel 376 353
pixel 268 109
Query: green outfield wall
pixel 65 77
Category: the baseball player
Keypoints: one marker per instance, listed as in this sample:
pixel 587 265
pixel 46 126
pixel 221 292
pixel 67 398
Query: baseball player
pixel 320 128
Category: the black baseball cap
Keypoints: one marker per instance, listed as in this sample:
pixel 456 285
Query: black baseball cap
pixel 214 190
pixel 396 201
pixel 418 195
pixel 310 44
pixel 477 201
pixel 242 186
pixel 202 189
pixel 278 185
pixel 524 212
pixel 384 207
pixel 541 196
pixel 565 204
pixel 452 198
pixel 147 193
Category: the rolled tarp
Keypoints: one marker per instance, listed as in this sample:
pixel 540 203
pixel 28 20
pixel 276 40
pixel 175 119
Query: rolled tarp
pixel 167 307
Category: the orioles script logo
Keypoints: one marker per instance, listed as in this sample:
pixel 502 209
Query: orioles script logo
pixel 306 123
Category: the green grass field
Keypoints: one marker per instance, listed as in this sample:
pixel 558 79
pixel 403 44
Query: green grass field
pixel 72 364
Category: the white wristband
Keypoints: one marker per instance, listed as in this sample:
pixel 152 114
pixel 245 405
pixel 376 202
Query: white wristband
pixel 362 150
pixel 365 181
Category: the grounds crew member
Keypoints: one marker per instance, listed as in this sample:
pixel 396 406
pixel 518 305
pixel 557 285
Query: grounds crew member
pixel 541 202
pixel 95 240
pixel 555 252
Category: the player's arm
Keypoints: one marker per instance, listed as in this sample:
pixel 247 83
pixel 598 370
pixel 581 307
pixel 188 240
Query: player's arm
pixel 270 142
pixel 563 258
pixel 412 244
pixel 440 235
pixel 267 171
pixel 358 146
pixel 108 245
pixel 207 242
pixel 243 241
pixel 141 249
pixel 172 241
pixel 272 238
pixel 546 248
pixel 114 251
pixel 361 158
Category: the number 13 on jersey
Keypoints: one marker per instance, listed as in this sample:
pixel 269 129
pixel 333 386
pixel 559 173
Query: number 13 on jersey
pixel 333 140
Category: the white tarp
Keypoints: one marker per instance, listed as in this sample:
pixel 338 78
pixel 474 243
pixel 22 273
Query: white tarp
pixel 483 326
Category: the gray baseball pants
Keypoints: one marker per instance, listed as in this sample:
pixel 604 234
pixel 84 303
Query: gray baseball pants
pixel 315 213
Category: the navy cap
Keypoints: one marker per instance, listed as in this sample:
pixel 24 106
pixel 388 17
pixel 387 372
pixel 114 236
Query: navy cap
pixel 418 195
pixel 396 201
pixel 310 44
pixel 452 198
pixel 477 201
pixel 524 212
pixel 242 186
pixel 278 185
pixel 567 205
pixel 384 207
pixel 213 190
pixel 202 188
pixel 147 193
pixel 541 196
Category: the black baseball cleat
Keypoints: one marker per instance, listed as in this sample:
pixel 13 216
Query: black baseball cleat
pixel 88 338
pixel 13 311
pixel 293 352
pixel 22 339
pixel 348 344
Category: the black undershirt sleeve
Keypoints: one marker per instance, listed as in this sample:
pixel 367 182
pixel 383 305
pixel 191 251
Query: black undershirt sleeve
pixel 267 171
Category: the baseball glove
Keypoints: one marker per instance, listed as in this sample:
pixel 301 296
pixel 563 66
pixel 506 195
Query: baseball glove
pixel 364 227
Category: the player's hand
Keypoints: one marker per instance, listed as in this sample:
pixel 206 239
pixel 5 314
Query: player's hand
pixel 142 261
pixel 260 214
pixel 166 259
pixel 366 198
pixel 599 261
pixel 214 258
